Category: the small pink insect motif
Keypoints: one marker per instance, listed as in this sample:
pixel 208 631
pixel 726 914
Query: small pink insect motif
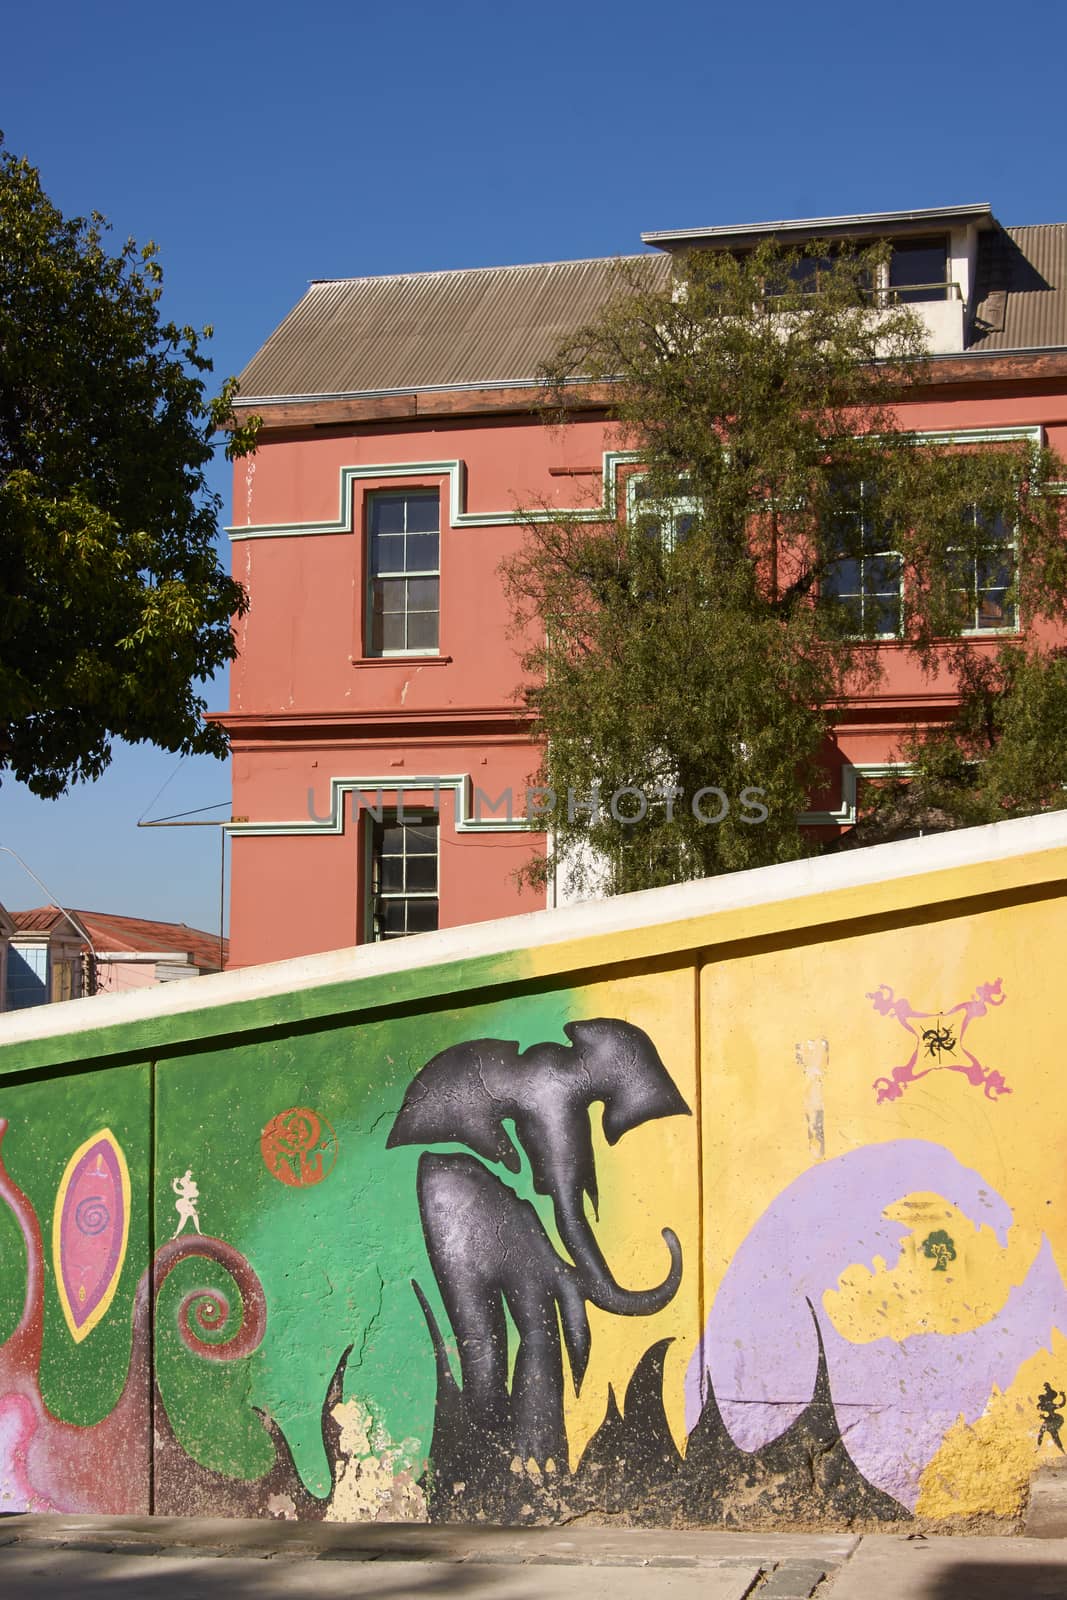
pixel 939 1047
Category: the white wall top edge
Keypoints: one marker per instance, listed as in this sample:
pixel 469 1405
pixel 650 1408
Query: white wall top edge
pixel 792 880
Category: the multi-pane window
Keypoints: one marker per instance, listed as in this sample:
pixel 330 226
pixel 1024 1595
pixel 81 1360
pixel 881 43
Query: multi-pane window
pixel 917 271
pixel 865 578
pixel 27 976
pixel 404 566
pixel 805 276
pixel 810 274
pixel 668 521
pixel 403 876
pixel 985 573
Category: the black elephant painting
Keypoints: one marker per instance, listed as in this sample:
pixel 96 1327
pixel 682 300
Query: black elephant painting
pixel 492 1256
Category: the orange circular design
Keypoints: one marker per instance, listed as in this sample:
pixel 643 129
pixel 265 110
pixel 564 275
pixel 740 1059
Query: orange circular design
pixel 299 1147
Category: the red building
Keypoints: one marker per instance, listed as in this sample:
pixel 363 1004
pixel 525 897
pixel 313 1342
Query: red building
pixel 377 739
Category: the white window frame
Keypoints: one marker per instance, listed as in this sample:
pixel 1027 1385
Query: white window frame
pixel 862 594
pixel 668 512
pixel 376 496
pixel 1009 544
pixel 35 954
pixel 399 816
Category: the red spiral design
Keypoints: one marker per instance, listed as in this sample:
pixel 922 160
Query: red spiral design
pixel 211 1310
pixel 208 1310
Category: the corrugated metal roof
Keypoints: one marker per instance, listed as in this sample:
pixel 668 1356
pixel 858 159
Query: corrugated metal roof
pixel 132 934
pixel 41 919
pixel 1021 288
pixel 109 931
pixel 489 326
pixel 478 326
pixel 858 222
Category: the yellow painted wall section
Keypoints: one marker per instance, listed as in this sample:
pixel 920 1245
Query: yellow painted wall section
pixel 924 1058
pixel 664 1153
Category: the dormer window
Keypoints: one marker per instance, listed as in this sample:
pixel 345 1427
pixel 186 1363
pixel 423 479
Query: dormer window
pixel 918 270
pixel 803 277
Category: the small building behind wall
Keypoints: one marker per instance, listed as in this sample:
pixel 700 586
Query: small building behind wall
pixel 56 954
pixel 381 756
pixel 7 928
pixel 132 952
pixel 48 958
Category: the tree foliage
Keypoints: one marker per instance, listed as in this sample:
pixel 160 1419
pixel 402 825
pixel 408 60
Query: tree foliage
pixel 113 606
pixel 698 633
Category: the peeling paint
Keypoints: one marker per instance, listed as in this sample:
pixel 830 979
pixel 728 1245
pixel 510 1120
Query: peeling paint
pixel 813 1058
pixel 368 1485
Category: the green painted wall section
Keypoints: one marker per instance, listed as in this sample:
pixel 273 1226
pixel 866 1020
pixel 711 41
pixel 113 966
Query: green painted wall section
pixel 325 1002
pixel 336 1258
pixel 47 1121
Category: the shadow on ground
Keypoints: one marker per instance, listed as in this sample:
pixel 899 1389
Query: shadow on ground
pixel 997 1580
pixel 41 1573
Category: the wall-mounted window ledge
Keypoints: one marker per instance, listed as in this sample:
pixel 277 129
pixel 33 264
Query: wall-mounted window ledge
pixel 400 661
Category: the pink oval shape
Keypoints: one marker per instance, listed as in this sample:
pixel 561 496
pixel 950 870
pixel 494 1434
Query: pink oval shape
pixel 90 1231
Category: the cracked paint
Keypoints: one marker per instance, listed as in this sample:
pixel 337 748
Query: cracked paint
pixel 369 1485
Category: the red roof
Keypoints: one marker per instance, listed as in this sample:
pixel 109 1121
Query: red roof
pixel 129 935
pixel 42 919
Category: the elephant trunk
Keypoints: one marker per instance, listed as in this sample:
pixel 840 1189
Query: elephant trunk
pixel 594 1275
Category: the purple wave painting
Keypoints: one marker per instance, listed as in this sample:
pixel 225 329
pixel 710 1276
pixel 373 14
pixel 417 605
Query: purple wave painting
pixel 894 1400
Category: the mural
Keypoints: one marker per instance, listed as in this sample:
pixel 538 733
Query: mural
pixel 188 1194
pixel 939 1047
pixel 91 1231
pixel 492 1256
pixel 299 1146
pixel 1048 1404
pixel 644 1248
pixel 898 1396
pixel 47 1464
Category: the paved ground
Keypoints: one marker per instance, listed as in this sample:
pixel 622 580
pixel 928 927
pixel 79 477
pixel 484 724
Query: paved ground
pixel 98 1558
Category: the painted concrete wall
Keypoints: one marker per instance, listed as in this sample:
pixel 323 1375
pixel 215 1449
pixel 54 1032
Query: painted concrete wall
pixel 737 1203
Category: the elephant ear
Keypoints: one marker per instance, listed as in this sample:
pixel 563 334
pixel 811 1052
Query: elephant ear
pixel 448 1102
pixel 625 1072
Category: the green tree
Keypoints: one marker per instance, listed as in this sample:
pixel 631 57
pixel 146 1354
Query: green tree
pixel 1003 754
pixel 702 630
pixel 113 606
pixel 939 1248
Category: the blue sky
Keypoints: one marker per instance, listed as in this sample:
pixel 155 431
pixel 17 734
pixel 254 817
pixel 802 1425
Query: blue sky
pixel 262 146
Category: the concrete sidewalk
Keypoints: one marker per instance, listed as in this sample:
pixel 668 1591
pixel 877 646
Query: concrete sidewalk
pixel 186 1559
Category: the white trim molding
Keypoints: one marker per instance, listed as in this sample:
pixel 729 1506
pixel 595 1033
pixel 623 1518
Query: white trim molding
pixel 459 517
pixel 1014 433
pixel 456 473
pixel 468 817
pixel 847 813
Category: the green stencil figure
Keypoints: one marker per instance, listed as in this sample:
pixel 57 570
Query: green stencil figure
pixel 939 1248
